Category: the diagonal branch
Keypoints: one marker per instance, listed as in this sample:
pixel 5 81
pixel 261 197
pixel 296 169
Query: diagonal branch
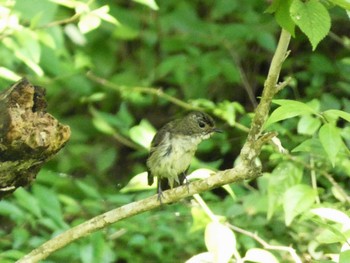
pixel 246 170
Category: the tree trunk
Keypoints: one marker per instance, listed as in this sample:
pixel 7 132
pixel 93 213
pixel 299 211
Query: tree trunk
pixel 29 136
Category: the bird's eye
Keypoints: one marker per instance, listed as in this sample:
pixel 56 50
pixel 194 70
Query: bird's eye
pixel 201 124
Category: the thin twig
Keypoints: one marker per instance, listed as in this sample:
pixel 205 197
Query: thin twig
pixel 313 179
pixel 65 21
pixel 283 84
pixel 328 176
pixel 118 137
pixel 206 208
pixel 152 91
pixel 266 245
pixel 246 85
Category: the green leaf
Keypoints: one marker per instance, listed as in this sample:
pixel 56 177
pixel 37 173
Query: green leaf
pixel 26 48
pixel 49 203
pixel 6 73
pixel 288 109
pixel 138 183
pixel 88 23
pixel 283 17
pixel 312 18
pixel 28 202
pixel 43 10
pixel 344 256
pixel 89 190
pixel 343 4
pixel 338 113
pixel 333 215
pixel 331 233
pixel 259 255
pixel 200 218
pixel 150 3
pixel 227 111
pixel 297 199
pixel 102 121
pixel 142 133
pixel 283 177
pixel 220 241
pixel 308 125
pixel 311 145
pixel 102 13
pixel 331 141
pixel 328 236
pixel 10 210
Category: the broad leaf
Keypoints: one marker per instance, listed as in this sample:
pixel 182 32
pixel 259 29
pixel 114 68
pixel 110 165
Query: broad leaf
pixel 342 114
pixel 330 140
pixel 312 18
pixel 150 3
pixel 344 256
pixel 308 125
pixel 142 133
pixel 138 183
pixel 333 215
pixel 288 109
pixel 260 255
pixel 221 241
pixel 297 199
pixel 283 17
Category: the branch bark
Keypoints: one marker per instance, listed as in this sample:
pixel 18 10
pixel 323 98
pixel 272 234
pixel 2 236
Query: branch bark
pixel 29 136
pixel 246 170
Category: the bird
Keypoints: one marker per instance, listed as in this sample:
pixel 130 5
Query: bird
pixel 173 147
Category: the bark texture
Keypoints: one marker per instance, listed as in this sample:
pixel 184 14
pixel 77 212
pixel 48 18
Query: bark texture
pixel 29 136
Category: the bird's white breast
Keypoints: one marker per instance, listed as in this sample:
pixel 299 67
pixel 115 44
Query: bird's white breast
pixel 173 156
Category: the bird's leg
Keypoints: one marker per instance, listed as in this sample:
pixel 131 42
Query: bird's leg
pixel 187 182
pixel 160 192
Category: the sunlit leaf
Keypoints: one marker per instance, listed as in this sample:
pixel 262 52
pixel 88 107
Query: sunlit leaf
pixel 142 133
pixel 221 241
pixel 202 257
pixel 201 173
pixel 6 73
pixel 150 3
pixel 88 23
pixel 333 215
pixel 102 13
pixel 260 255
pixel 138 183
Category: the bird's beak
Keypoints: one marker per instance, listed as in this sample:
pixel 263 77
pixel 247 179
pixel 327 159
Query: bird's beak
pixel 217 130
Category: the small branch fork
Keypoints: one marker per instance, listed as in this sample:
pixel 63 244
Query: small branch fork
pixel 246 170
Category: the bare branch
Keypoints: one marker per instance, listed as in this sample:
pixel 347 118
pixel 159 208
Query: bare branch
pixel 237 174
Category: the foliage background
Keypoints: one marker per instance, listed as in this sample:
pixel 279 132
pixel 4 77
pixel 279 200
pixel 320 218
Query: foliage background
pixel 209 54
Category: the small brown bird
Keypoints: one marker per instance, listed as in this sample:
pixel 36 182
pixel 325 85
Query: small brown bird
pixel 173 147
